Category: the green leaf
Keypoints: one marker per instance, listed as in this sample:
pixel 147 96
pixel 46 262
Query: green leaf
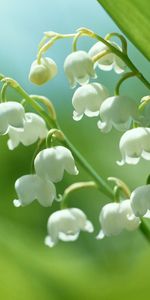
pixel 133 18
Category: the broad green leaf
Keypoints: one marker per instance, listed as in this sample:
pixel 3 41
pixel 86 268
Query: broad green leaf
pixel 133 18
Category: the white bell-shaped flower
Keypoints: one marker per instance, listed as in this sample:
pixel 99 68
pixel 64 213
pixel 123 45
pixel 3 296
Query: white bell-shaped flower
pixel 134 144
pixel 140 200
pixel 65 225
pixel 118 112
pixel 115 217
pixel 109 61
pixel 41 72
pixel 12 114
pixel 32 187
pixel 34 128
pixel 78 67
pixel 87 100
pixel 51 163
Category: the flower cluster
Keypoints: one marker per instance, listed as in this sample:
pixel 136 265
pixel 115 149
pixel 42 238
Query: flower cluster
pixel 50 165
pixel 54 152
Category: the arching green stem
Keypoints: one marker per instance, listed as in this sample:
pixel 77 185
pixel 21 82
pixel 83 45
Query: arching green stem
pixel 121 37
pixel 74 187
pixel 3 92
pixel 100 55
pixel 122 185
pixel 54 133
pixel 37 149
pixel 48 104
pixel 14 84
pixel 102 184
pixel 44 46
pixel 122 79
pixel 125 58
pixel 75 40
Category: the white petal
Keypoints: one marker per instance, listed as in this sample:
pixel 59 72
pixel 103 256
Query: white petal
pixel 16 203
pixel 88 98
pixel 66 225
pixel 120 163
pixel 132 160
pixel 104 126
pixel 140 200
pixel 31 187
pixel 78 67
pixel 106 67
pixel 146 155
pixel 88 226
pixel 100 235
pixel 48 242
pixel 118 110
pixel 13 141
pixel 52 162
pixel 147 215
pixel 115 217
pixel 11 114
pixel 76 116
pixel 68 237
pixel 119 65
pixel 133 144
pixel 34 128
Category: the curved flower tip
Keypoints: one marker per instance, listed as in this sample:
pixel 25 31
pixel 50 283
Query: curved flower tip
pixel 16 203
pixel 76 116
pixel 88 226
pixel 65 225
pixel 135 144
pixel 48 242
pixel 41 72
pixel 34 128
pixel 32 187
pixel 12 114
pixel 108 61
pixel 117 112
pixel 52 162
pixel 104 126
pixel 140 200
pixel 78 67
pixel 120 163
pixel 100 235
pixel 115 217
pixel 87 100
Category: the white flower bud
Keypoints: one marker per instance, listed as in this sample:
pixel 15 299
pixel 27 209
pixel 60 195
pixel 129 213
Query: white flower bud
pixel 11 114
pixel 109 61
pixel 34 128
pixel 78 67
pixel 115 217
pixel 87 100
pixel 65 225
pixel 41 72
pixel 134 144
pixel 52 162
pixel 117 111
pixel 32 187
pixel 140 200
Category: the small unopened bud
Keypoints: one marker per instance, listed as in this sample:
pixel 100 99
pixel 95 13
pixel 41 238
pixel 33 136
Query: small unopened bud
pixel 41 72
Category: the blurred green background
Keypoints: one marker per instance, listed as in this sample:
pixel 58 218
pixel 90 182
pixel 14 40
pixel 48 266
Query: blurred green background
pixel 114 268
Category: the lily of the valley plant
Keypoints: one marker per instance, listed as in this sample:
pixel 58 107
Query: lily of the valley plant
pixel 54 153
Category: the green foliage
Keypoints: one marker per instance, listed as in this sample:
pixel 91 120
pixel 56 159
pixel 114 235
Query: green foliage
pixel 132 17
